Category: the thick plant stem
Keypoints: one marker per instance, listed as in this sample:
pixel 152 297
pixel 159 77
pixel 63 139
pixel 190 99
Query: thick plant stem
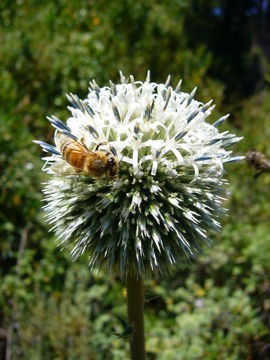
pixel 135 302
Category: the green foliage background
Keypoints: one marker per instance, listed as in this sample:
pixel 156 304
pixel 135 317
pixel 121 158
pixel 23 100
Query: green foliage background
pixel 50 308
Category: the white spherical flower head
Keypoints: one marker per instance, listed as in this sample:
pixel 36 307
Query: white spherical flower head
pixel 136 176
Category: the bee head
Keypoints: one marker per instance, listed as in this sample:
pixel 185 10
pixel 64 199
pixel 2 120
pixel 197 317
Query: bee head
pixel 112 167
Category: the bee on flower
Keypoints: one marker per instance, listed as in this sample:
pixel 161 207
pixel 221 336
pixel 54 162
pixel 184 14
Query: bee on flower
pixel 136 176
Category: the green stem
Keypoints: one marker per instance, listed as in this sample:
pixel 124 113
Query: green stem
pixel 135 302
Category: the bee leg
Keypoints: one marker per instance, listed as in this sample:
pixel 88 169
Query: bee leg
pixel 258 174
pixel 83 142
pixel 98 145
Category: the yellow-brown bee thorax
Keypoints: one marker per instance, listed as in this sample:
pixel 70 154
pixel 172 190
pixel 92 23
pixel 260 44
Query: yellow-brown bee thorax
pixel 101 164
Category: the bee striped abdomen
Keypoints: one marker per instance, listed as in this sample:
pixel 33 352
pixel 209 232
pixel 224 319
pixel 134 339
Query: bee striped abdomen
pixel 72 153
pixel 76 160
pixel 65 149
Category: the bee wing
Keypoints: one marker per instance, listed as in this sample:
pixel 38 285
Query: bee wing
pixel 75 146
pixel 61 167
pixel 79 149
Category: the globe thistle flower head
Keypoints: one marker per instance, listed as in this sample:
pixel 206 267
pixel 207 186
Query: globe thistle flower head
pixel 155 210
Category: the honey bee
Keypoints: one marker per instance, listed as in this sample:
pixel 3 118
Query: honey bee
pixel 95 163
pixel 259 161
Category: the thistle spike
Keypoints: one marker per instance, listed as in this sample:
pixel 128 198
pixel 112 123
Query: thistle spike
pixel 167 83
pixel 116 112
pixel 148 77
pixel 181 135
pixel 122 78
pixel 58 124
pixel 178 86
pixel 93 131
pixel 47 147
pixel 191 96
pixel 113 88
pixel 206 106
pixel 221 120
pixel 168 96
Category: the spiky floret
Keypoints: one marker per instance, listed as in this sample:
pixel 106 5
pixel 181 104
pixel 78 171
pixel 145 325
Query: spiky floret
pixel 158 212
